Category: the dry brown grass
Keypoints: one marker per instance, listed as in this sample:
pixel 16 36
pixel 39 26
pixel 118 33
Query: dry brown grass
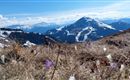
pixel 28 63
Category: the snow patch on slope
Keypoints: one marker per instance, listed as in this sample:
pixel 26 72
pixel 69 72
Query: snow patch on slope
pixel 60 28
pixel 29 44
pixel 104 25
pixel 68 33
pixel 86 35
pixel 6 33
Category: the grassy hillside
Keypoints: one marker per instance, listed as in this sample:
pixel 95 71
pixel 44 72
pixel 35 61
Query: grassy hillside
pixel 106 59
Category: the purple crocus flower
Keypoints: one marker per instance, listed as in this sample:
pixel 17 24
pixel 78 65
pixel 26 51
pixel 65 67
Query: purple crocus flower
pixel 48 64
pixel 113 65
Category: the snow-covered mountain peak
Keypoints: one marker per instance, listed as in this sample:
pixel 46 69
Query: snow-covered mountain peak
pixel 87 21
pixel 84 19
pixel 85 28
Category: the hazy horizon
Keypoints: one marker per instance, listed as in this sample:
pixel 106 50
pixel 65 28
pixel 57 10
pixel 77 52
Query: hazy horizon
pixel 60 11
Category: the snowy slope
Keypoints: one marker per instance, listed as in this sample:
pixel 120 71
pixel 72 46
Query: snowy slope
pixel 83 29
pixel 26 38
pixel 29 44
pixel 90 29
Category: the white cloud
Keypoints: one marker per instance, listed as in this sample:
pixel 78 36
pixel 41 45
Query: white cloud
pixel 28 21
pixel 116 10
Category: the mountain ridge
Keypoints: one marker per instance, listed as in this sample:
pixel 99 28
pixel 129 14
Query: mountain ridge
pixel 80 30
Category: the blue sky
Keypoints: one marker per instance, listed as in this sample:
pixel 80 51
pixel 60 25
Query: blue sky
pixel 48 6
pixel 30 12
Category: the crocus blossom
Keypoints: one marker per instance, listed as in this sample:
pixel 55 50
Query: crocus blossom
pixel 48 63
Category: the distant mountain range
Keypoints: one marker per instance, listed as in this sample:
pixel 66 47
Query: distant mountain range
pixel 18 35
pixel 87 29
pixel 81 30
pixel 120 25
pixel 8 35
pixel 37 28
pixel 109 21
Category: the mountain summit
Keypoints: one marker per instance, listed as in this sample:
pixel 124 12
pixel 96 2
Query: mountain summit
pixel 83 29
